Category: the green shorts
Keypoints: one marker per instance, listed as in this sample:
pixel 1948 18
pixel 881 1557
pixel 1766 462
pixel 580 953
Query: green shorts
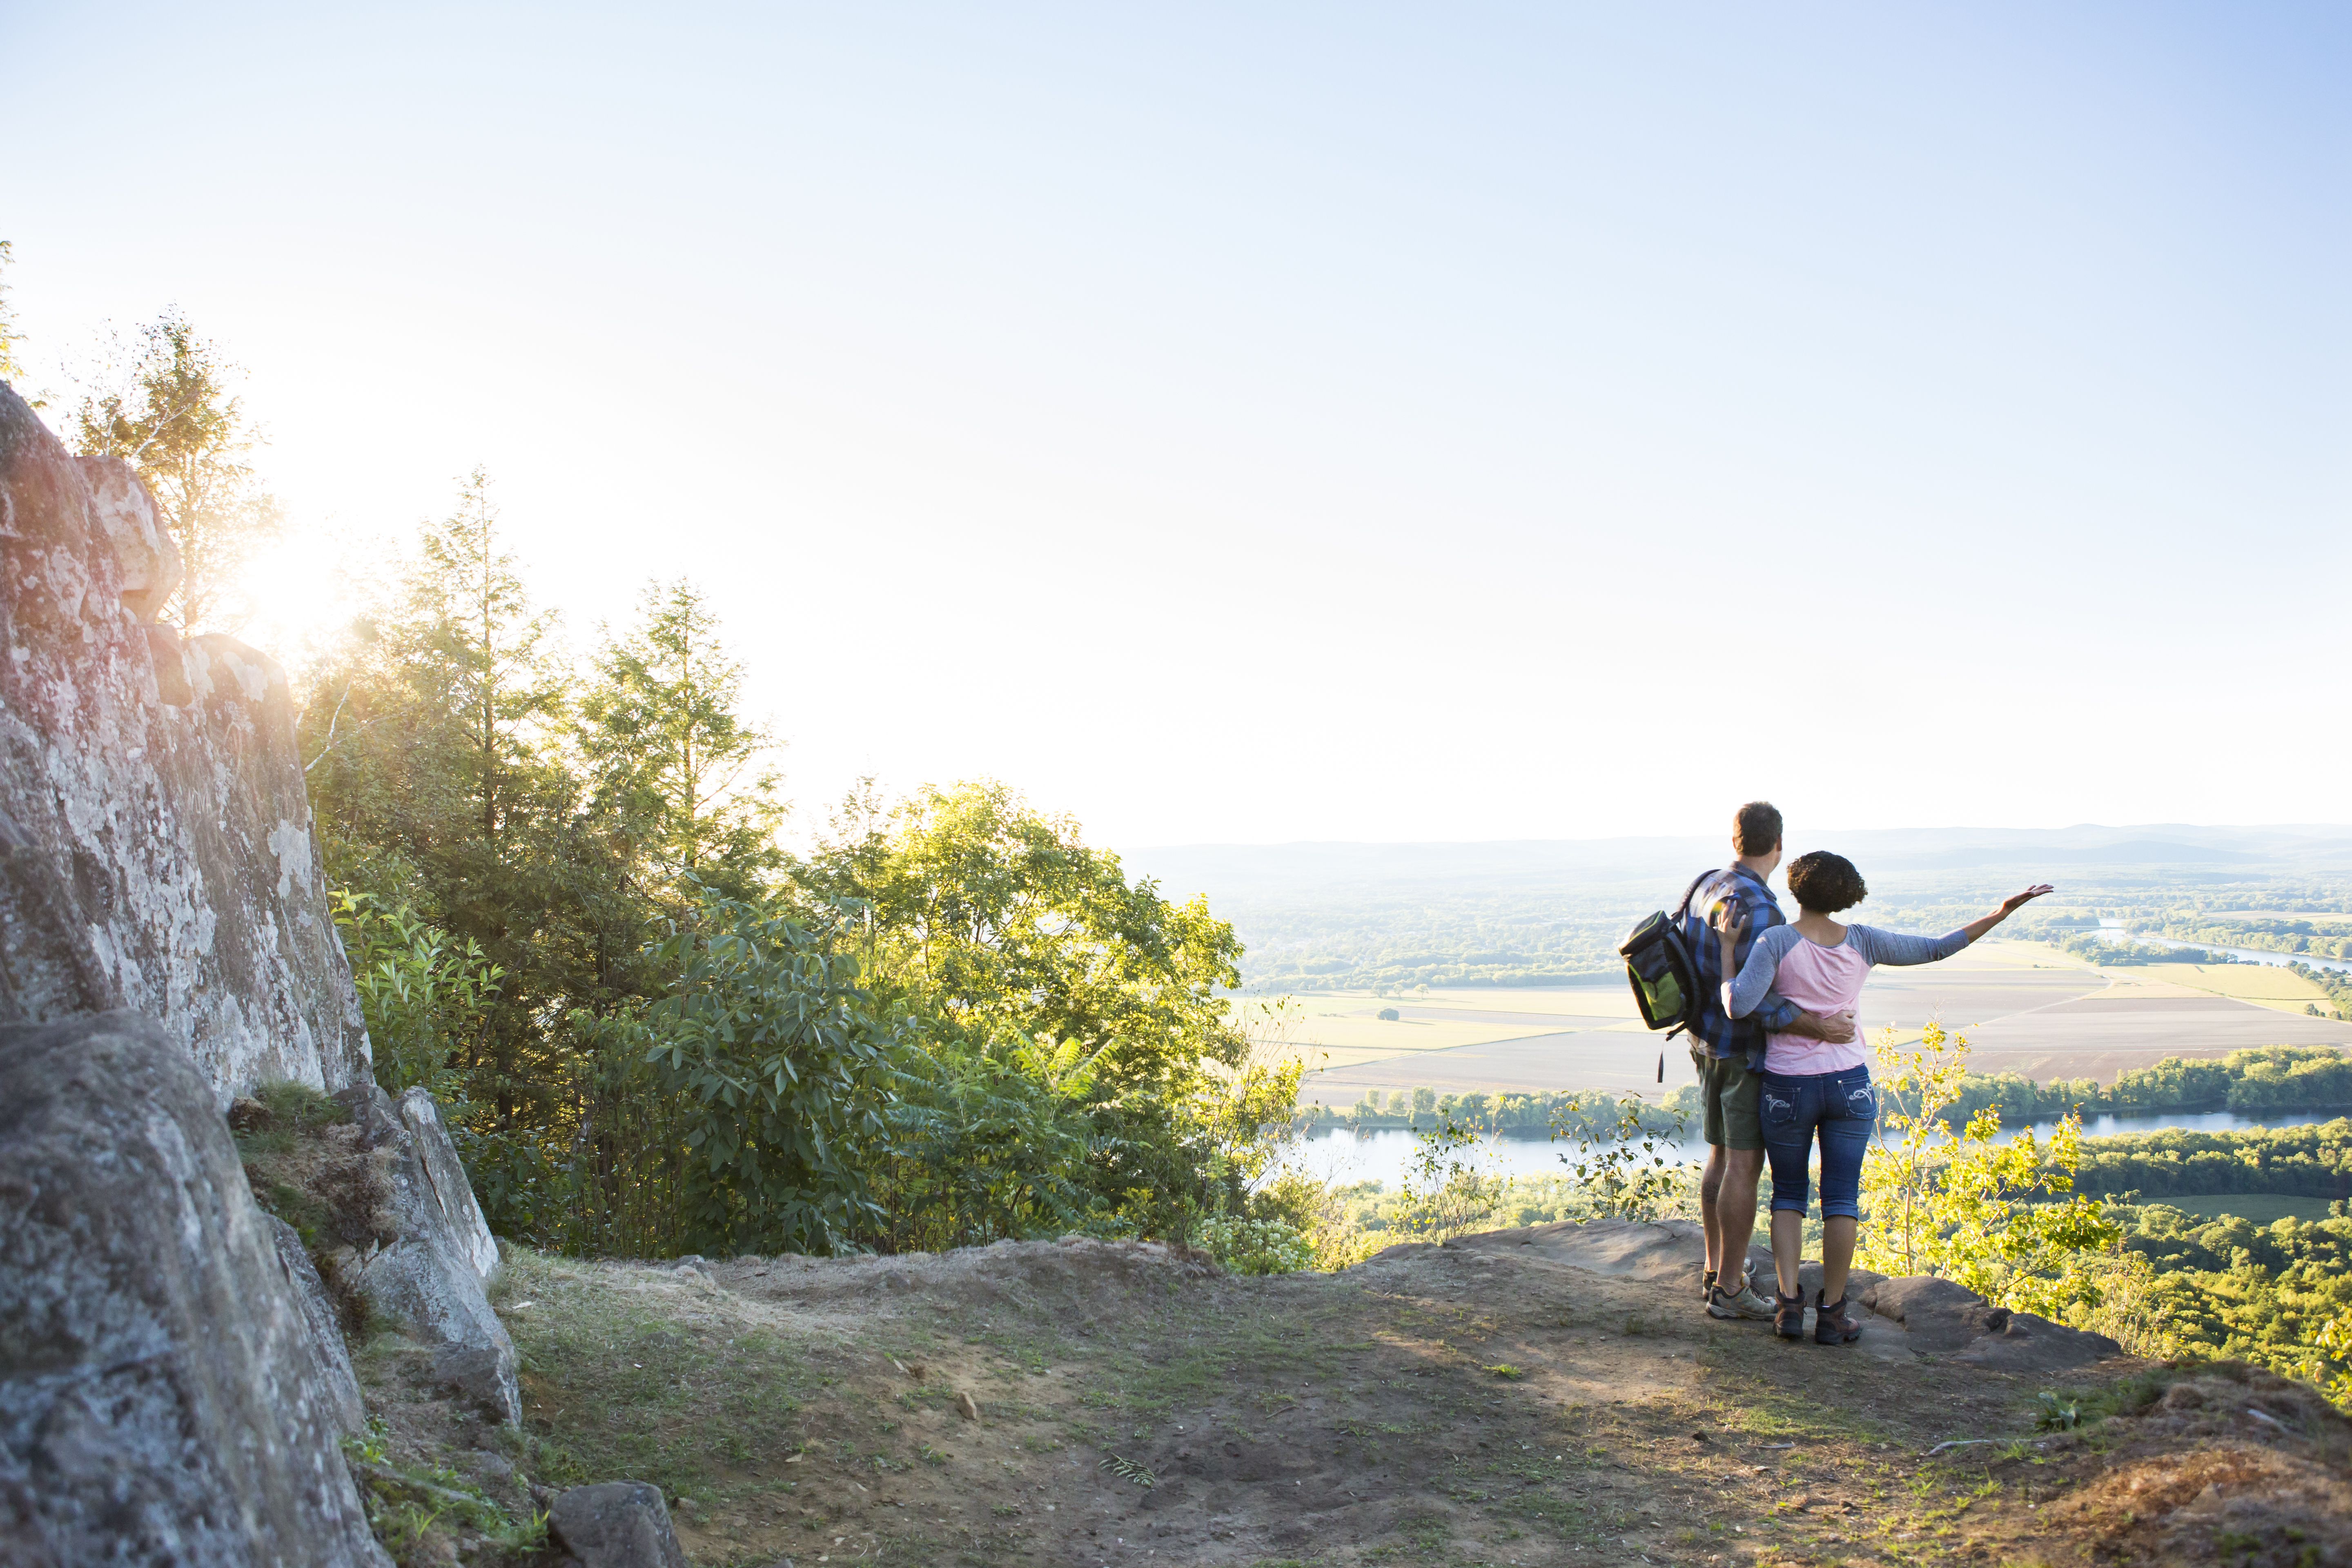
pixel 1730 1094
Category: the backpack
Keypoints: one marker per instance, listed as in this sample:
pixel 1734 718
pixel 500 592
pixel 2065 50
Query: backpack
pixel 1663 970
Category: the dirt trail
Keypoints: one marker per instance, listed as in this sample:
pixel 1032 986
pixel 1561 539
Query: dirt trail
pixel 1478 1403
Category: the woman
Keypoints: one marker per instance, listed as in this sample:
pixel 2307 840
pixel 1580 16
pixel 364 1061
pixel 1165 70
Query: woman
pixel 1810 1085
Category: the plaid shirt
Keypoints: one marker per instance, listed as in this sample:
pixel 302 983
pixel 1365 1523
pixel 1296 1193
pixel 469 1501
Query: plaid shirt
pixel 1723 1035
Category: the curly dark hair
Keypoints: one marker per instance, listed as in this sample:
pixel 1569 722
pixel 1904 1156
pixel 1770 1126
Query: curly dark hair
pixel 1825 883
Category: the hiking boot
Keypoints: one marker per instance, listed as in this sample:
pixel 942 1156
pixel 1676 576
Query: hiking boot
pixel 1834 1323
pixel 1742 1303
pixel 1789 1314
pixel 1707 1283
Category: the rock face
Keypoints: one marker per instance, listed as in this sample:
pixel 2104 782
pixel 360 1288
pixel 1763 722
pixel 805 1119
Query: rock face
pixel 445 1186
pixel 162 1399
pixel 156 850
pixel 338 1383
pixel 430 1281
pixel 616 1524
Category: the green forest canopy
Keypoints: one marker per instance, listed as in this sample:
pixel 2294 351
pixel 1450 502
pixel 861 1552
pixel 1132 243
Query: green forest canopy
pixel 572 916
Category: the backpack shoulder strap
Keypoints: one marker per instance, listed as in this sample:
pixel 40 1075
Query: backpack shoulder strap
pixel 1681 910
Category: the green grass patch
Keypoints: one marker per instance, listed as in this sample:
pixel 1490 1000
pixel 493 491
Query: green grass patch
pixel 2258 1208
pixel 613 1389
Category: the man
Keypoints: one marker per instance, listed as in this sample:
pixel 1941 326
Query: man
pixel 1729 1055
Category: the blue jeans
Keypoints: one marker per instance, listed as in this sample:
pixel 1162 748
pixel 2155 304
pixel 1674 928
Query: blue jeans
pixel 1844 1109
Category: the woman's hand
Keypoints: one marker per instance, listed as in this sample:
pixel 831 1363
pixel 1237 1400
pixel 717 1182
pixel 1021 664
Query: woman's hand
pixel 2017 901
pixel 1977 927
pixel 1730 922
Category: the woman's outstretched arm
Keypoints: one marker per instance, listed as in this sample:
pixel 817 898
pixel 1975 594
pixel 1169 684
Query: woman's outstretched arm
pixel 1894 947
pixel 2009 906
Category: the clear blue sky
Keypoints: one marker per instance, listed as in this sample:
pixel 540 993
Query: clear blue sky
pixel 1285 421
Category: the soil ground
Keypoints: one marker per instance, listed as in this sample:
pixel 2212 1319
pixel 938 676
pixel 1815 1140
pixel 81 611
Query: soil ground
pixel 1475 1402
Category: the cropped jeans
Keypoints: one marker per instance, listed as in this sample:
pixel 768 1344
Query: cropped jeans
pixel 1844 1108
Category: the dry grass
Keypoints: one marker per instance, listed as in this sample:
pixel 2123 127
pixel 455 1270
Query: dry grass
pixel 1132 1409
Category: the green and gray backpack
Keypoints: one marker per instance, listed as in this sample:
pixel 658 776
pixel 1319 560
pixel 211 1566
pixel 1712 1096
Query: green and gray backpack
pixel 1664 972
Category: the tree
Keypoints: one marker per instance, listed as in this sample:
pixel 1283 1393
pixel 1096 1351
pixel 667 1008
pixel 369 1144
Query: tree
pixel 489 652
pixel 1000 934
pixel 675 764
pixel 433 737
pixel 173 418
pixel 10 336
pixel 987 909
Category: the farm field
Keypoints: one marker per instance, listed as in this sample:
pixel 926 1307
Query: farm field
pixel 2257 1208
pixel 2339 916
pixel 2024 1007
pixel 2259 984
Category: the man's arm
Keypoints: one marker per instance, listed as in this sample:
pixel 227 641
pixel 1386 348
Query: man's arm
pixel 1837 1028
pixel 1775 1011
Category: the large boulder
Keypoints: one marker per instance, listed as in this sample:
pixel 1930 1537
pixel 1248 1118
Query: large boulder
pixel 615 1524
pixel 456 1212
pixel 1667 1251
pixel 156 846
pixel 1945 1320
pixel 338 1382
pixel 161 1396
pixel 430 1281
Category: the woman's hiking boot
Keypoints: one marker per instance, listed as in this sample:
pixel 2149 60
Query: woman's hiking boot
pixel 1706 1287
pixel 1834 1323
pixel 1789 1314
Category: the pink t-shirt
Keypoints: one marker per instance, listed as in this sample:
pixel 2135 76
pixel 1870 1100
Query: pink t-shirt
pixel 1820 980
pixel 1786 963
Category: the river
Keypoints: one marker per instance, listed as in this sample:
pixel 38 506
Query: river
pixel 2116 932
pixel 1383 1155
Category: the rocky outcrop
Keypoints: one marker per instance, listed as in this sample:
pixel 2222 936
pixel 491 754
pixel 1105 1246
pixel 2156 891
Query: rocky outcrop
pixel 1915 1316
pixel 430 1281
pixel 338 1383
pixel 614 1524
pixel 156 846
pixel 162 1397
pixel 457 1214
pixel 1949 1321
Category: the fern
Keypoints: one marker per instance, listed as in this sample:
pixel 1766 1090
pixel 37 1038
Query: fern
pixel 1128 1470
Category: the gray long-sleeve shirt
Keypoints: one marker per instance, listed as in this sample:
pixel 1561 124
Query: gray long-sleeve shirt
pixel 1743 996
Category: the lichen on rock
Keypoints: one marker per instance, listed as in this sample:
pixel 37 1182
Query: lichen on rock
pixel 162 1398
pixel 155 835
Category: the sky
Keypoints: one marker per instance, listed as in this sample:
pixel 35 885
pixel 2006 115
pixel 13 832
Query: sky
pixel 1252 424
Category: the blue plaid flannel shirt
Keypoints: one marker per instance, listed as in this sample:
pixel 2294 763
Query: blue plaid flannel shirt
pixel 1723 1035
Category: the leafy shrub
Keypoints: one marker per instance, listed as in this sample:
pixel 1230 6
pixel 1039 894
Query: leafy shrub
pixel 1246 1246
pixel 766 1037
pixel 421 992
pixel 2001 1219
pixel 1621 1165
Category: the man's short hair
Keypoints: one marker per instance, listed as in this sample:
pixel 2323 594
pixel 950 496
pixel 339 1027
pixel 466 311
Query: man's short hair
pixel 1825 883
pixel 1756 828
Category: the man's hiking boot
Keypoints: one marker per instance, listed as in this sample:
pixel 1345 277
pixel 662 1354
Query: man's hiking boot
pixel 1789 1314
pixel 1743 1303
pixel 1836 1324
pixel 1707 1283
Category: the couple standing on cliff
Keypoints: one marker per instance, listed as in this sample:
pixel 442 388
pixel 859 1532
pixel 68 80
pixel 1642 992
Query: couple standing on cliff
pixel 1782 1064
